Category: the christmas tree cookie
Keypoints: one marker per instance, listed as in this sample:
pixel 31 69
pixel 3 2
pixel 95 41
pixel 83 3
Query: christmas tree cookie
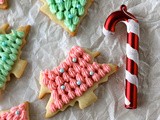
pixel 66 13
pixel 73 80
pixel 3 4
pixel 10 52
pixel 20 112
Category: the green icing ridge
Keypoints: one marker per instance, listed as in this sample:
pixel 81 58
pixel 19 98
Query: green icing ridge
pixel 69 11
pixel 9 47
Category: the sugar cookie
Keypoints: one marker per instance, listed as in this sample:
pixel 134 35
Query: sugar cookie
pixel 73 80
pixel 66 13
pixel 10 51
pixel 20 112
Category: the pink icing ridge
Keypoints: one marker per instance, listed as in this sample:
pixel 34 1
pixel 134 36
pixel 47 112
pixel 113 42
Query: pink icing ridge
pixel 15 113
pixel 73 71
pixel 1 1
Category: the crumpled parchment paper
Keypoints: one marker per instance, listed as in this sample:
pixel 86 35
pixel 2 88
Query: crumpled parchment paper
pixel 48 44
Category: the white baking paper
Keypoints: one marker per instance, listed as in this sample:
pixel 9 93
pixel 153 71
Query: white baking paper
pixel 48 44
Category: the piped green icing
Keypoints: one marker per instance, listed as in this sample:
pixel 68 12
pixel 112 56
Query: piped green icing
pixel 82 2
pixel 60 15
pixel 68 11
pixel 67 4
pixel 53 8
pixel 67 22
pixel 60 6
pixel 75 20
pixel 72 27
pixel 75 3
pixel 9 47
pixel 80 11
pixel 73 11
pixel 66 14
pixel 50 1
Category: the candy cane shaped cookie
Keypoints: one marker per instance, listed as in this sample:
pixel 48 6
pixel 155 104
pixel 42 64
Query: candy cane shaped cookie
pixel 132 55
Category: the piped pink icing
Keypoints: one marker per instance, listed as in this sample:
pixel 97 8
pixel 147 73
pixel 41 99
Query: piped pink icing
pixel 15 113
pixel 1 1
pixel 73 77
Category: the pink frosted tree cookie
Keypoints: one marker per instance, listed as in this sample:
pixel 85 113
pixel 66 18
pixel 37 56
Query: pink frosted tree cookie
pixel 20 112
pixel 73 80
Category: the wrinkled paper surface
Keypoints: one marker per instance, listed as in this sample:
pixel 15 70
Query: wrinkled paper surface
pixel 48 44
